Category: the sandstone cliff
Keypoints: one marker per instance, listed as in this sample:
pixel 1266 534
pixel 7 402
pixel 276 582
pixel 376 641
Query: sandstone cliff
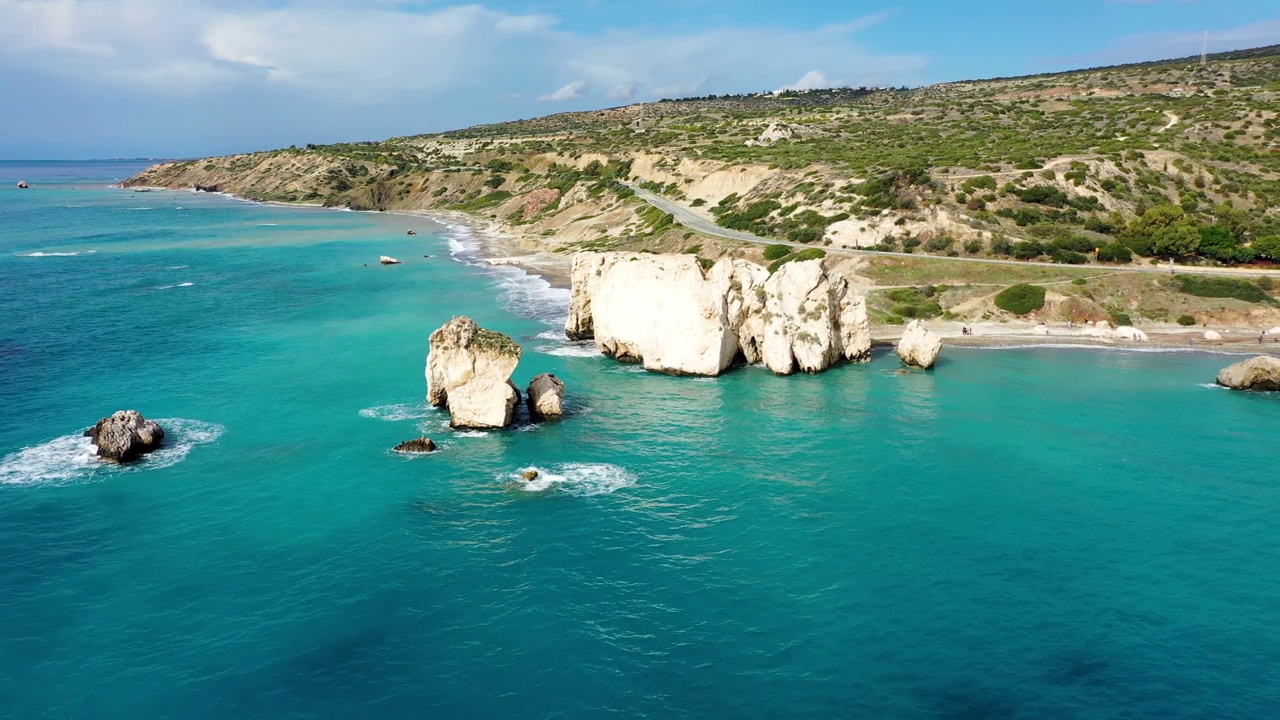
pixel 469 372
pixel 668 313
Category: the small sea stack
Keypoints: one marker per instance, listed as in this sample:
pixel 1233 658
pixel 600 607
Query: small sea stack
pixel 125 436
pixel 388 260
pixel 469 373
pixel 919 346
pixel 420 446
pixel 22 185
pixel 546 397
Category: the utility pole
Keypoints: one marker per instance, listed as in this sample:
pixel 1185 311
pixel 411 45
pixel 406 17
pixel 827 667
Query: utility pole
pixel 1204 50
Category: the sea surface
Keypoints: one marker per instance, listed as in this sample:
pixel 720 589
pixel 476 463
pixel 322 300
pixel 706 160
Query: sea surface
pixel 1024 533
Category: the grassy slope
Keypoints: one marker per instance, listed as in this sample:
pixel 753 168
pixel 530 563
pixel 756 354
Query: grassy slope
pixel 956 169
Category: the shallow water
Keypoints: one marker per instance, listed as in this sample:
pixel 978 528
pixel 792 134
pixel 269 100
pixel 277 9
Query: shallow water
pixel 1039 533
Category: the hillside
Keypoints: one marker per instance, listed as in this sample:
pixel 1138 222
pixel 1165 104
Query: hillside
pixel 1116 166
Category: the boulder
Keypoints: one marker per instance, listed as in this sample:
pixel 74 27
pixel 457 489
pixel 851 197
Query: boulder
pixel 421 446
pixel 546 397
pixel 1258 373
pixel 774 133
pixel 668 313
pixel 469 373
pixel 411 232
pixel 919 346
pixel 1132 334
pixel 388 260
pixel 1275 331
pixel 22 185
pixel 1040 329
pixel 1212 335
pixel 125 436
pixel 529 475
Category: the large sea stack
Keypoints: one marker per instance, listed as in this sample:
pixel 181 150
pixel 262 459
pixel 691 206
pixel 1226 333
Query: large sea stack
pixel 1257 373
pixel 469 373
pixel 125 436
pixel 919 347
pixel 670 314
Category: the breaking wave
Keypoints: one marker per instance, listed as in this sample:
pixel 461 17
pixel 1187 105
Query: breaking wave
pixel 71 458
pixel 397 413
pixel 580 479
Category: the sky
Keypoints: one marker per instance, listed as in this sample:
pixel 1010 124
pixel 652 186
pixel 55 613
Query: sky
pixel 188 78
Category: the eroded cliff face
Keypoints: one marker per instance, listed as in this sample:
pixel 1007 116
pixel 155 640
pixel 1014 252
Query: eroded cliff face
pixel 469 373
pixel 666 312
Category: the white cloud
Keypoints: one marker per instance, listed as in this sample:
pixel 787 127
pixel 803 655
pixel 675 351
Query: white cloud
pixel 572 91
pixel 812 80
pixel 624 91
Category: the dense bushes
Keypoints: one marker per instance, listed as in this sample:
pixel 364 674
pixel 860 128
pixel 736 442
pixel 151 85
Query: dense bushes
pixel 1186 320
pixel 807 254
pixel 1021 299
pixel 915 302
pixel 1114 253
pixel 1220 287
pixel 776 252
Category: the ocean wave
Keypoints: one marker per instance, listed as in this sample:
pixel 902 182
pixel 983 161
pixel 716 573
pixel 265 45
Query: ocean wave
pixel 268 224
pixel 140 208
pixel 56 254
pixel 178 267
pixel 580 479
pixel 72 458
pixel 468 433
pixel 397 413
pixel 578 349
pixel 179 285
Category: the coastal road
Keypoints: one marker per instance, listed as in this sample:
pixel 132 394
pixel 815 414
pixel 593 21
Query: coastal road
pixel 697 223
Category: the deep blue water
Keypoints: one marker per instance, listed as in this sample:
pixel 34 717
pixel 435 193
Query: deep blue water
pixel 1018 534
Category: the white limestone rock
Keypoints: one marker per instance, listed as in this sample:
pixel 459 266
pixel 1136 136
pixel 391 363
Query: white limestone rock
pixel 1257 373
pixel 1212 335
pixel 388 260
pixel 919 347
pixel 469 372
pixel 585 275
pixel 662 311
pixel 546 397
pixel 1132 334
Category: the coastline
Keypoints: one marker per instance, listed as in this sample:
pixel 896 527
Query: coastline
pixel 496 246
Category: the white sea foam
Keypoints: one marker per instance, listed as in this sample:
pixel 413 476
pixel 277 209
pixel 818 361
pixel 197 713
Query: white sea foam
pixel 581 479
pixel 71 458
pixel 178 267
pixel 268 224
pixel 396 413
pixel 55 254
pixel 141 208
pixel 572 349
pixel 469 433
pixel 179 285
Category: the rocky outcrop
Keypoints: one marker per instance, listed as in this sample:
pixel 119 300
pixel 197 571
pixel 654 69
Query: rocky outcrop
pixel 1212 335
pixel 537 201
pixel 546 397
pixel 668 313
pixel 1258 373
pixel 22 185
pixel 125 436
pixel 1132 334
pixel 919 347
pixel 772 134
pixel 388 260
pixel 469 373
pixel 421 446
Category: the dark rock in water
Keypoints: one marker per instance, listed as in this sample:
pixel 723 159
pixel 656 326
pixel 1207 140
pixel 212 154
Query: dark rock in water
pixel 125 436
pixel 22 185
pixel 530 475
pixel 412 232
pixel 420 446
pixel 206 188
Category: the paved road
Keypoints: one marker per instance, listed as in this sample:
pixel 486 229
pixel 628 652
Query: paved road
pixel 691 220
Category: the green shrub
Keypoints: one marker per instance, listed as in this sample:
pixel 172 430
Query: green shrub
pixel 1079 281
pixel 1115 253
pixel 940 243
pixel 1028 250
pixel 1186 320
pixel 1121 319
pixel 1222 287
pixel 1265 283
pixel 776 252
pixel 1021 299
pixel 973 247
pixel 495 182
pixel 1067 257
pixel 809 254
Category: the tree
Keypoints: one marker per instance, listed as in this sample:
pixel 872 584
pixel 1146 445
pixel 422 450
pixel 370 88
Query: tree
pixel 1141 233
pixel 1267 247
pixel 1176 241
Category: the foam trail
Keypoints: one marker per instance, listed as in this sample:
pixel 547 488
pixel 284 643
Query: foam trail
pixel 579 479
pixel 396 413
pixel 72 458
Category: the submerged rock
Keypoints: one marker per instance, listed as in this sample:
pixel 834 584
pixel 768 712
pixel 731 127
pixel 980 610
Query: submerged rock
pixel 125 436
pixel 469 373
pixel 1257 373
pixel 421 446
pixel 919 347
pixel 668 313
pixel 388 260
pixel 546 397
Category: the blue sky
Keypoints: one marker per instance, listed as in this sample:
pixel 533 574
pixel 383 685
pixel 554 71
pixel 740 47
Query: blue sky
pixel 182 78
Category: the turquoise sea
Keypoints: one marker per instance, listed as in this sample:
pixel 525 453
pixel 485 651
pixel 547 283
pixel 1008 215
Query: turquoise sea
pixel 1026 533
